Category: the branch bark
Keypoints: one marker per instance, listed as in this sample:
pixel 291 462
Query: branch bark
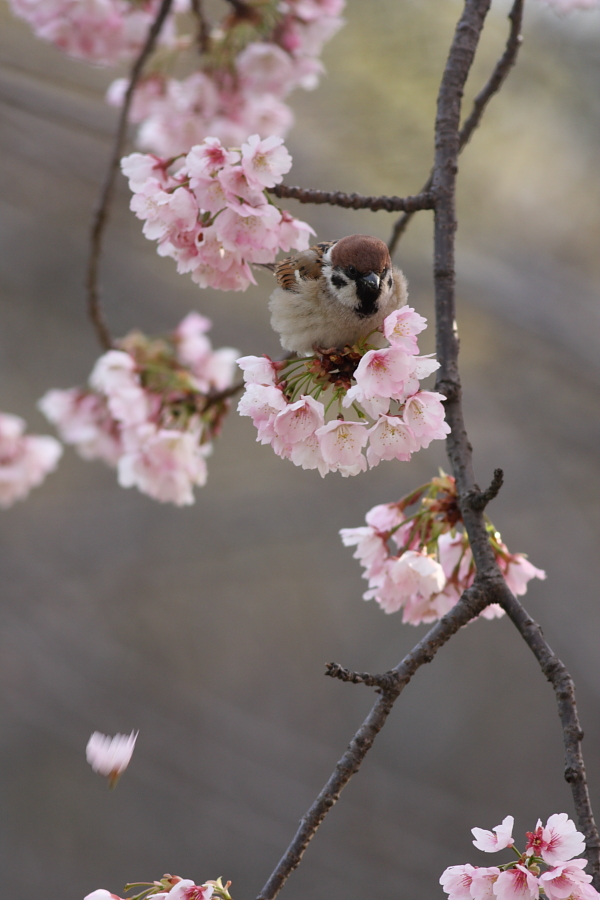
pixel 563 686
pixel 496 80
pixel 100 214
pixel 470 605
pixel 457 444
pixel 423 200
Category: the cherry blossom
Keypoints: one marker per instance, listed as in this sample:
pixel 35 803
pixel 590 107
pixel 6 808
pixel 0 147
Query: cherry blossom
pixel 239 87
pixel 152 410
pixel 209 210
pixel 174 888
pixel 497 839
pixel 522 879
pixel 99 31
pixel 483 881
pixel 25 460
pixel 341 444
pixel 516 884
pixel 558 841
pixel 432 567
pixel 372 382
pixel 402 327
pixel 101 894
pixel 567 879
pixel 110 756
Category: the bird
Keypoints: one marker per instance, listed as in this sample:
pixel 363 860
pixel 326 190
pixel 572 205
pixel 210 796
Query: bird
pixel 335 293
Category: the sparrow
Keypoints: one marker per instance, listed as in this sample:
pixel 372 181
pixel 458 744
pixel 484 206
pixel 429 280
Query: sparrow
pixel 335 293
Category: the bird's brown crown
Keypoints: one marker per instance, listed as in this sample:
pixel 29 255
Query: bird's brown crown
pixel 364 252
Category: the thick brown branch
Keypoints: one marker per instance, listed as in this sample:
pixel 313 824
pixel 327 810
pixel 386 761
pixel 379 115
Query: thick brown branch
pixel 564 689
pixel 354 201
pixel 470 605
pixel 100 215
pixel 497 78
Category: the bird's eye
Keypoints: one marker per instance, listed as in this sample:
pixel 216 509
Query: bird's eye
pixel 351 271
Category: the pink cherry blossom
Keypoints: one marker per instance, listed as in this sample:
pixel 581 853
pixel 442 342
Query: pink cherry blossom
pixel 424 414
pixel 84 420
pixel 308 455
pixel 341 443
pixel 164 463
pixel 417 573
pixel 25 460
pixel 262 403
pixel 100 31
pixel 558 841
pixel 518 571
pixel 382 373
pixel 371 549
pixel 265 162
pixel 516 884
pixel 568 880
pixel 384 516
pixel 101 894
pixel 298 420
pixel 401 328
pixel 497 839
pixel 258 369
pixel 187 890
pixel 456 882
pixel 482 885
pixel 110 756
pixel 266 67
pixel 390 438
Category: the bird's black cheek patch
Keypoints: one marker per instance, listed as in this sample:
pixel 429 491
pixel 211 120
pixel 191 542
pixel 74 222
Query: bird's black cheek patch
pixel 390 281
pixel 338 282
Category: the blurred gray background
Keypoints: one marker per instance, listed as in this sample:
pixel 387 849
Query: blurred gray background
pixel 208 628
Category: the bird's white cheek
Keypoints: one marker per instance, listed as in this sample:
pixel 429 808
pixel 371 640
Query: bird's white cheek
pixel 346 294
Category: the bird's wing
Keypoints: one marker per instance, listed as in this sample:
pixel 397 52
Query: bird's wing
pixel 304 266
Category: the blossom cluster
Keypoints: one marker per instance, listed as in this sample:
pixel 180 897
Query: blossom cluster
pixel 552 846
pixel 110 756
pixel 99 31
pixel 172 887
pixel 25 460
pixel 210 211
pixel 152 409
pixel 420 562
pixel 380 385
pixel 241 84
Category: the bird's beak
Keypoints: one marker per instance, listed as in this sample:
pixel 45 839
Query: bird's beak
pixel 371 281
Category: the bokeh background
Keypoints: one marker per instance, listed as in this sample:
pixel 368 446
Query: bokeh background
pixel 207 628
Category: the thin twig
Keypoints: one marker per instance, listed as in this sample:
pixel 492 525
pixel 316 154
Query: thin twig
pixel 221 396
pixel 354 201
pixel 564 689
pixel 472 602
pixel 480 499
pixel 497 78
pixel 203 33
pixel 100 215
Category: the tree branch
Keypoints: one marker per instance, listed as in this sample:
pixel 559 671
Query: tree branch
pixel 471 500
pixel 100 214
pixel 203 32
pixel 497 78
pixel 472 602
pixel 423 200
pixel 564 689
